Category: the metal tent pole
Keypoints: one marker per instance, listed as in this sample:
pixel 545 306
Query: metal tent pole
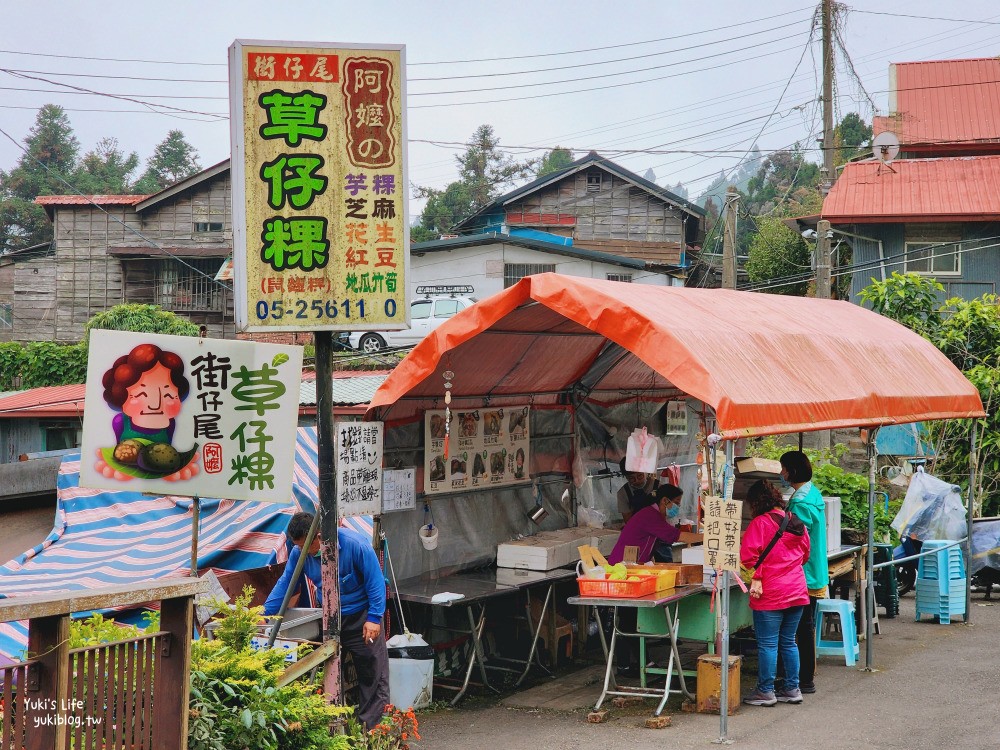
pixel 869 573
pixel 973 459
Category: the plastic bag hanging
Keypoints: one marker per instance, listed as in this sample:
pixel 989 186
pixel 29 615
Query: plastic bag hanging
pixel 641 451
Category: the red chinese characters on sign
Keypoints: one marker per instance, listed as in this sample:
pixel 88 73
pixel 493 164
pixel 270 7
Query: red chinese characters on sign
pixel 264 66
pixel 212 457
pixel 368 112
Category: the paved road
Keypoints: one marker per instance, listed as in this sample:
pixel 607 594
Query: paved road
pixel 937 686
pixel 23 528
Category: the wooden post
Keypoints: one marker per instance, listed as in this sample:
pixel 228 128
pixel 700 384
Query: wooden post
pixel 327 490
pixel 729 239
pixel 48 644
pixel 172 685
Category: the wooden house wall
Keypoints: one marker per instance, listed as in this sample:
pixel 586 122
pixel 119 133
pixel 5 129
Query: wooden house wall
pixel 172 222
pixel 18 436
pixel 88 280
pixel 619 218
pixel 35 304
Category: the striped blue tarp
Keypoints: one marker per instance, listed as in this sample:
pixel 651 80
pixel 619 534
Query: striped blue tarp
pixel 105 538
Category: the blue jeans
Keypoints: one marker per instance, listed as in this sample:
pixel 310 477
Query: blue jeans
pixel 775 631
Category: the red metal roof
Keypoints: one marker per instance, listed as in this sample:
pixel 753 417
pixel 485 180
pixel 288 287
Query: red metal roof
pixel 89 200
pixel 51 401
pixel 916 190
pixel 944 101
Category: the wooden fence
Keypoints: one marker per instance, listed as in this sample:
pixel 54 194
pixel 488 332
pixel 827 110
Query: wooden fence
pixel 128 695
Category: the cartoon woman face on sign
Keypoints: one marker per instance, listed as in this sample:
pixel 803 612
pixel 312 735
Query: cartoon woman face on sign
pixel 146 388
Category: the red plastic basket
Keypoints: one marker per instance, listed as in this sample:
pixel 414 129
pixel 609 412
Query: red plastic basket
pixel 617 589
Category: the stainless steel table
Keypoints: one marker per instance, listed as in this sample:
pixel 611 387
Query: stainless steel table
pixel 662 599
pixel 476 588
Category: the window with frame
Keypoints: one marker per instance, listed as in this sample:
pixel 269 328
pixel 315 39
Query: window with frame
pixel 445 308
pixel 6 315
pixel 208 226
pixel 514 272
pixel 421 310
pixel 594 181
pixel 61 437
pixel 188 284
pixel 933 258
pixel 626 277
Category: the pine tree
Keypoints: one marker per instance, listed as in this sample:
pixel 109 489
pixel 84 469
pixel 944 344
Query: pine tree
pixel 173 160
pixel 554 160
pixel 44 169
pixel 106 169
pixel 484 172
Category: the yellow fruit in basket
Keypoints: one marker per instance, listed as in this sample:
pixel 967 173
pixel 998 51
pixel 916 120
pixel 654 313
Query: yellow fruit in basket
pixel 633 578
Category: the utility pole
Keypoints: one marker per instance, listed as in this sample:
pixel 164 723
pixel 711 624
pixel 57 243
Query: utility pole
pixel 828 167
pixel 823 281
pixel 729 239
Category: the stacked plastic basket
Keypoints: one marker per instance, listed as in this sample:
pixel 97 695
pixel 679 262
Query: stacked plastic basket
pixel 941 581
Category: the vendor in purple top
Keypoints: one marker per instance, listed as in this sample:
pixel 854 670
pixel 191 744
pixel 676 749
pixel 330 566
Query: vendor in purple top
pixel 644 530
pixel 649 526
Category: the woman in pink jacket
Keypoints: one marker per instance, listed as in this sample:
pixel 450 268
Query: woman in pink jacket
pixel 778 591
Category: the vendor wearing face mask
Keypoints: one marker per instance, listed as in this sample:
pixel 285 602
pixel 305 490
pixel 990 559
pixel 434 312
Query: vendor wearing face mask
pixel 637 492
pixel 645 530
pixel 651 525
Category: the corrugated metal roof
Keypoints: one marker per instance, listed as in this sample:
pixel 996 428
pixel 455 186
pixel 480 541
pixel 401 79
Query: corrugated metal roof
pixel 914 190
pixel 945 101
pixel 350 391
pixel 51 401
pixel 87 200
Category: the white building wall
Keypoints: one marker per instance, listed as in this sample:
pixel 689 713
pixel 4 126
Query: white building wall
pixel 483 266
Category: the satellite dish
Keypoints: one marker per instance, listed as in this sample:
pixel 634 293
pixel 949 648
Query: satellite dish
pixel 886 147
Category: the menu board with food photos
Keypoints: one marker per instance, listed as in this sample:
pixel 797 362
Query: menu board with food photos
pixel 487 447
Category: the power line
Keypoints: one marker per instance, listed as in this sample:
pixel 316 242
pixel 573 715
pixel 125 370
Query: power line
pixel 608 62
pixel 606 75
pixel 602 88
pixel 610 46
pixel 924 18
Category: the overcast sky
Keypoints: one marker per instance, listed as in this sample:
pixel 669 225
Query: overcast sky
pixel 629 79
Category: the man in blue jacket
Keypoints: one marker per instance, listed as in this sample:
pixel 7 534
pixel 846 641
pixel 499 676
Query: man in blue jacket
pixel 362 605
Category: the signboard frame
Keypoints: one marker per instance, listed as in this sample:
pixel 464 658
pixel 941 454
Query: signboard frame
pixel 241 299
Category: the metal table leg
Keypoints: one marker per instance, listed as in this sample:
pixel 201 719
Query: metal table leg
pixel 476 657
pixel 538 630
pixel 673 623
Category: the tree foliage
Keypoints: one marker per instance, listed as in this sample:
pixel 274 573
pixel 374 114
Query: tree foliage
pixel 106 169
pixel 775 252
pixel 173 160
pixel 45 168
pixel 851 137
pixel 554 160
pixel 138 317
pixel 786 184
pixel 968 333
pixel 484 170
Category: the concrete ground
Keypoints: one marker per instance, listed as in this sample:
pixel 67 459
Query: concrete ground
pixel 23 528
pixel 936 686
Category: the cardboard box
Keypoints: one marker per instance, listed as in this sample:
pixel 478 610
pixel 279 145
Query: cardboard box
pixel 709 692
pixel 763 467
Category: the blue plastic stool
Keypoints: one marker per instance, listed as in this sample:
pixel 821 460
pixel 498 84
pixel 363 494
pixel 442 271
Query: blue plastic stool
pixel 849 646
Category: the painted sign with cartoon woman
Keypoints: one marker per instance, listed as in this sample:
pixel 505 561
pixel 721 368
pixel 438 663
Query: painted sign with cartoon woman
pixel 190 416
pixel 146 388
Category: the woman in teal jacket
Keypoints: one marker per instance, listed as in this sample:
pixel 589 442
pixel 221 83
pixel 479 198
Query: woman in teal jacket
pixel 807 503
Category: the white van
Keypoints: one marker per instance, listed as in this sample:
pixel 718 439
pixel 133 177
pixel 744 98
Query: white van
pixel 433 307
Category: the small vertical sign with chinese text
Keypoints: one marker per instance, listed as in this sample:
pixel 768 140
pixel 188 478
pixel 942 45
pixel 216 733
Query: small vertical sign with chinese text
pixel 722 533
pixel 359 468
pixel 320 230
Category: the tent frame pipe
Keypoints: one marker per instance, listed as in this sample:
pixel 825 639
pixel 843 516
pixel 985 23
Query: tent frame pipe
pixel 869 592
pixel 973 460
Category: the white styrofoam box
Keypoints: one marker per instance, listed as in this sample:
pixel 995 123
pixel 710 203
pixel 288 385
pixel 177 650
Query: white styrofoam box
pixel 833 506
pixel 545 550
pixel 693 555
pixel 760 466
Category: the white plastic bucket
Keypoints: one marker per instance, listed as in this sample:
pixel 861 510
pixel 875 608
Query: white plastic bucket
pixel 411 671
pixel 428 536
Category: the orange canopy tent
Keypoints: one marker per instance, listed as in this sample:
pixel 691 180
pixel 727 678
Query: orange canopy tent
pixel 766 364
